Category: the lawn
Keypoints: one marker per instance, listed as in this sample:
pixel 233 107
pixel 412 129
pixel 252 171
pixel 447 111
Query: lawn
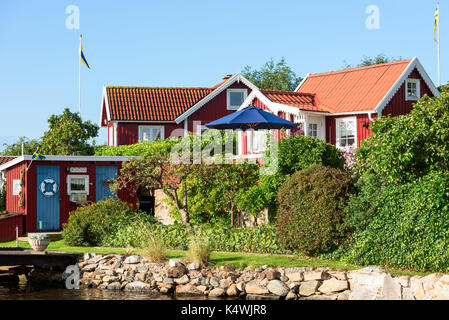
pixel 238 259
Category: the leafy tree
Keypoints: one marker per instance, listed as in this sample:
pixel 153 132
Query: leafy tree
pixel 369 61
pixel 68 134
pixel 273 76
pixel 15 149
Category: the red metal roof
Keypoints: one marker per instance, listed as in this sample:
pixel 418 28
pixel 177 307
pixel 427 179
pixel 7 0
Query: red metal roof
pixel 355 89
pixel 301 100
pixel 152 103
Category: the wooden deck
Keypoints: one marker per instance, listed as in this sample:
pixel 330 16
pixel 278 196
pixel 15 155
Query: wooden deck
pixel 17 257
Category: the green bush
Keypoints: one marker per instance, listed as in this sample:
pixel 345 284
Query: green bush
pixel 310 209
pixel 92 224
pixel 299 152
pixel 410 229
pixel 262 239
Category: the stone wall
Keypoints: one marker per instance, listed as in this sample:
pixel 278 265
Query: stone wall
pixel 134 273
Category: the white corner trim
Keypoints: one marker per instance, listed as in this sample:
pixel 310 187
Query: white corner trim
pixel 302 82
pixel 401 80
pixel 104 97
pixel 237 77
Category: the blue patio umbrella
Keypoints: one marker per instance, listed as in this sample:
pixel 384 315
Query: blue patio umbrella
pixel 251 118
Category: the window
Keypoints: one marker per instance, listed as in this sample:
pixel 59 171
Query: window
pixel 312 130
pixel 151 133
pixel 77 184
pixel 259 141
pixel 235 98
pixel 346 132
pixel 412 91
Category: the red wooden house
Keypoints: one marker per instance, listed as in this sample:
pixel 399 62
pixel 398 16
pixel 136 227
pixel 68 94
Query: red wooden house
pixel 134 114
pixel 40 195
pixel 338 106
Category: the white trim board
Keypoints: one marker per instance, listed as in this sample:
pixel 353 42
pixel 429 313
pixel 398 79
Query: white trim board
pixel 237 77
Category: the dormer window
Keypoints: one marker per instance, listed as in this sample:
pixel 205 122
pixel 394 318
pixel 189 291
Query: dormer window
pixel 235 98
pixel 412 91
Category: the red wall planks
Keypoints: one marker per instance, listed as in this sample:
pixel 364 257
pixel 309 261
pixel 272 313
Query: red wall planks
pixel 8 227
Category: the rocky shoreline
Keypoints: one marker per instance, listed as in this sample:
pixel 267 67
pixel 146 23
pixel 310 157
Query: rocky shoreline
pixel 137 274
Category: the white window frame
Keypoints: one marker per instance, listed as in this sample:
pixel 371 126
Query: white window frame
pixel 142 128
pixel 417 82
pixel 316 130
pixel 77 176
pixel 228 97
pixel 337 131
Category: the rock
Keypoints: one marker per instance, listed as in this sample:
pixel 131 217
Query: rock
pixel 391 290
pixel 165 287
pixel 295 276
pixel 142 269
pixel 90 267
pixel 202 288
pixel 177 271
pixel 278 288
pixel 140 277
pixel 196 281
pixel 168 281
pixel 225 283
pixel 110 279
pixel 214 282
pixel 137 286
pixel 232 290
pixel 294 286
pixel 253 287
pixel 264 267
pixel 193 266
pixel 187 290
pixel 290 296
pixel 241 286
pixel 176 262
pixel 308 288
pixel 183 280
pixel 264 282
pixel 133 259
pixel 403 281
pixel 217 292
pixel 272 275
pixel 316 275
pixel 344 295
pixel 339 275
pixel 333 285
pixel 87 256
pixel 114 286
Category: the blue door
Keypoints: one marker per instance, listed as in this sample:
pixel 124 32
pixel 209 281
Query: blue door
pixel 48 183
pixel 103 177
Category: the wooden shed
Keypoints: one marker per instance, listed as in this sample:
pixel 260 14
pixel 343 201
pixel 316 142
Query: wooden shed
pixel 43 192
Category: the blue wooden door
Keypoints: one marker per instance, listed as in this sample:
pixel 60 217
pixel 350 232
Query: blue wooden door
pixel 48 183
pixel 104 174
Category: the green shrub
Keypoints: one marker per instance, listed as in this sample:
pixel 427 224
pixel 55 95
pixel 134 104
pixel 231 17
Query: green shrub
pixel 3 198
pixel 410 229
pixel 92 224
pixel 310 209
pixel 299 152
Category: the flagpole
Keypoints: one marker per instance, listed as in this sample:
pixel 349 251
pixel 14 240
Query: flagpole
pixel 439 75
pixel 79 77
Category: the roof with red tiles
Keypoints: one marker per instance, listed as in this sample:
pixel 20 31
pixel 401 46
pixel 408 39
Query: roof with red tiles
pixel 355 89
pixel 302 100
pixel 6 159
pixel 152 103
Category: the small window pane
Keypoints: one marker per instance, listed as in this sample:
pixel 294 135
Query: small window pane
pixel 78 184
pixel 236 98
pixel 312 130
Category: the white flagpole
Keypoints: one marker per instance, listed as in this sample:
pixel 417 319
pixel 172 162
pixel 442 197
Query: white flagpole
pixel 79 77
pixel 439 75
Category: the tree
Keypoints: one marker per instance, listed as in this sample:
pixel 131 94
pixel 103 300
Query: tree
pixel 369 61
pixel 273 76
pixel 15 149
pixel 68 134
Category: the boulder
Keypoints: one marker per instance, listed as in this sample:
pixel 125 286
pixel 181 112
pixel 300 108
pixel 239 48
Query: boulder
pixel 278 288
pixel 137 286
pixel 193 266
pixel 225 283
pixel 176 262
pixel 187 290
pixel 290 296
pixel 315 275
pixel 133 259
pixel 308 288
pixel 114 286
pixel 333 285
pixel 90 267
pixel 177 271
pixel 253 287
pixel 217 292
pixel 240 286
pixel 214 282
pixel 232 290
pixel 272 275
pixel 295 276
pixel 183 280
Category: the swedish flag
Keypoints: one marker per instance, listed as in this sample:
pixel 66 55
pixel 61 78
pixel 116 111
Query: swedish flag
pixel 83 59
pixel 436 23
pixel 37 155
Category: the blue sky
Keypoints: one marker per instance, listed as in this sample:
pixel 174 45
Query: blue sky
pixel 188 43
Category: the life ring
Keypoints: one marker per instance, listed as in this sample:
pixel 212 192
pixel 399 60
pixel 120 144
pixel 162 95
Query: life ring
pixel 49 193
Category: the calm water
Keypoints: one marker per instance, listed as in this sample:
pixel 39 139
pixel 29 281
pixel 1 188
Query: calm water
pixel 34 293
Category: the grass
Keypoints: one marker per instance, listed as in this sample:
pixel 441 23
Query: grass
pixel 239 260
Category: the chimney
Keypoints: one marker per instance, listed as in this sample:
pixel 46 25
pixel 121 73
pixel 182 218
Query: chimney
pixel 227 77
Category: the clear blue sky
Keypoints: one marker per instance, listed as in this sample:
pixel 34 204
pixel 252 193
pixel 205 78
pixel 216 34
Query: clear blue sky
pixel 188 43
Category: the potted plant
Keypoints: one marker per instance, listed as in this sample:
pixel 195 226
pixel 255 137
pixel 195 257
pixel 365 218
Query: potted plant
pixel 39 242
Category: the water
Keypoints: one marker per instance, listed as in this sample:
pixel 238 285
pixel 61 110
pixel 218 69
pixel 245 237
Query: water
pixel 29 292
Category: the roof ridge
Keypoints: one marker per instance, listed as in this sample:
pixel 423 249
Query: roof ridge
pixel 380 65
pixel 177 88
pixel 288 92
